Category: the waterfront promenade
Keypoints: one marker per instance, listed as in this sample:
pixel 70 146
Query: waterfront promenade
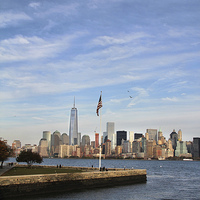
pixel 50 183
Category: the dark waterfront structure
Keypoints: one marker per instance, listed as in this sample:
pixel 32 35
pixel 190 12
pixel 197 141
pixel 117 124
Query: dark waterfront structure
pixel 121 135
pixel 196 147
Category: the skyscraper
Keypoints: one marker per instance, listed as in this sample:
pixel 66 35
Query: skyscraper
pixel 174 138
pixel 160 134
pixel 47 136
pixel 108 147
pixel 152 134
pixel 179 135
pixel 43 148
pixel 111 134
pixel 181 148
pixel 65 138
pixel 138 136
pixel 96 140
pixel 121 135
pixel 73 127
pixel 196 147
pixel 79 139
pixel 55 143
pixel 86 140
pixel 131 136
pixel 110 129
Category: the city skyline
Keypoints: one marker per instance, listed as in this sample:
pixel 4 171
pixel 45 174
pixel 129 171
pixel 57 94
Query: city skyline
pixel 167 136
pixel 142 55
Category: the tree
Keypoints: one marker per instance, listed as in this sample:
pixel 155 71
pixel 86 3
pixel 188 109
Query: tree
pixel 4 152
pixel 29 157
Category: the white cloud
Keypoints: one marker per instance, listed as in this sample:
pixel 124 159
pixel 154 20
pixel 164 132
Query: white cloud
pixel 38 118
pixel 34 5
pixel 10 18
pixel 122 39
pixel 66 10
pixel 21 47
pixel 118 100
pixel 173 99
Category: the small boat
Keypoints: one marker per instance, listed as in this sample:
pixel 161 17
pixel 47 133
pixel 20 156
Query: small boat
pixel 187 159
pixel 161 158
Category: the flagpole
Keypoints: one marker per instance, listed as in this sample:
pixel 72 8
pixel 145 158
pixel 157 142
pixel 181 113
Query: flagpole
pixel 100 139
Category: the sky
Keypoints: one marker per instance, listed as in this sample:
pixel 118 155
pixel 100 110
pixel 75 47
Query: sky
pixel 143 55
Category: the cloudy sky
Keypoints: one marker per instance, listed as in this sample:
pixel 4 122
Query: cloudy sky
pixel 53 50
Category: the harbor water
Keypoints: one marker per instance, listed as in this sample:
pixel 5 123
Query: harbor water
pixel 165 180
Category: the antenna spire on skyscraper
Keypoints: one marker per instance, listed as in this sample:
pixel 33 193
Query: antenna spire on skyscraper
pixel 74 101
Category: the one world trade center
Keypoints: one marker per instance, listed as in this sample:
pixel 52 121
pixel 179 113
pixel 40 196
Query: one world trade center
pixel 73 126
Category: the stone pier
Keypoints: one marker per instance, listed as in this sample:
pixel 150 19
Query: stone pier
pixel 11 186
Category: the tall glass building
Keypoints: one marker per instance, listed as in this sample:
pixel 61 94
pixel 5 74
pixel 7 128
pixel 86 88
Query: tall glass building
pixel 111 134
pixel 47 136
pixel 73 126
pixel 110 129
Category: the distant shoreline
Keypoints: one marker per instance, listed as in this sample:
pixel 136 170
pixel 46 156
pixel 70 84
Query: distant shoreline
pixel 113 158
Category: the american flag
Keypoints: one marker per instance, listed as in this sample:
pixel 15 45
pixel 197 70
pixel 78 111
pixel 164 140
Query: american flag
pixel 99 105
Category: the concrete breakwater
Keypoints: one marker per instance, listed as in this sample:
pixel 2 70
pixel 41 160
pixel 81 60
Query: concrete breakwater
pixel 11 186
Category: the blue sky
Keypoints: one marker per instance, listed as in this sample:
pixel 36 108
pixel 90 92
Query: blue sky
pixel 51 51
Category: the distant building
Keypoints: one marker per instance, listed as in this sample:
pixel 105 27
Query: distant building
pixel 85 140
pixel 55 143
pixel 65 138
pixel 47 136
pixel 110 128
pixel 144 145
pixel 96 140
pixel 102 139
pixel 79 139
pixel 118 150
pixel 17 143
pixel 105 137
pixel 157 151
pixel 150 145
pixel 181 148
pixel 16 147
pixel 64 151
pixel 27 147
pixel 152 133
pixel 138 136
pixel 196 147
pixel 160 134
pixel 135 147
pixel 174 139
pixel 126 146
pixel 189 146
pixel 43 148
pixel 179 135
pixel 73 126
pixel 121 135
pixel 108 148
pixel 147 136
pixel 131 136
pixel 93 144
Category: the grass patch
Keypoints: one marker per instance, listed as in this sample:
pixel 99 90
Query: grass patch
pixel 38 170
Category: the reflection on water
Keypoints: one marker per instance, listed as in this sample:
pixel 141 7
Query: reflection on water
pixel 165 180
